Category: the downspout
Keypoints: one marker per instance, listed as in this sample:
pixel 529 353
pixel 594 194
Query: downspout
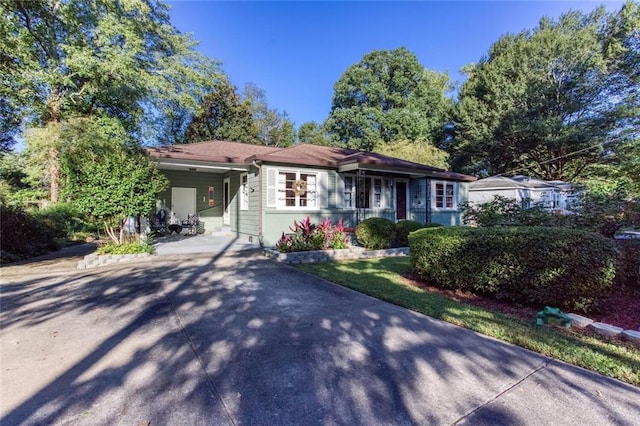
pixel 260 212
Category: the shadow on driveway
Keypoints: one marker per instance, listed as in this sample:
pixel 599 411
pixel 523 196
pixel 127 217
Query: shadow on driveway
pixel 238 339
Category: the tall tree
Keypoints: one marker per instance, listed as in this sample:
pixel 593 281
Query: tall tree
pixel 73 58
pixel 388 96
pixel 552 101
pixel 312 133
pixel 422 152
pixel 223 115
pixel 274 127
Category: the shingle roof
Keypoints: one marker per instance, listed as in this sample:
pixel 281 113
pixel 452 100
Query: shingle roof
pixel 328 156
pixel 301 154
pixel 213 151
pixel 517 182
pixel 496 182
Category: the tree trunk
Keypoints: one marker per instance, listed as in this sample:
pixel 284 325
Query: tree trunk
pixel 54 175
pixel 110 232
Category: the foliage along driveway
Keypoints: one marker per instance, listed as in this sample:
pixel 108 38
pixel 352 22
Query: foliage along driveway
pixel 239 339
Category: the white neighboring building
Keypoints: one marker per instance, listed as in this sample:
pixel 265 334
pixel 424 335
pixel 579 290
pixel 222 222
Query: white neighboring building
pixel 555 196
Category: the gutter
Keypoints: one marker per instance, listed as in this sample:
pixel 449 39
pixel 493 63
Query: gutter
pixel 255 164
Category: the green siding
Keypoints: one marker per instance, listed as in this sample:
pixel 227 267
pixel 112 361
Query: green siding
pixel 452 218
pixel 211 216
pixel 244 222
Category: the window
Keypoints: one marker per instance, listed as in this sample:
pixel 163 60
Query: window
pixel 349 189
pixel 244 192
pixel 296 189
pixel 377 193
pixel 444 195
pixel 372 195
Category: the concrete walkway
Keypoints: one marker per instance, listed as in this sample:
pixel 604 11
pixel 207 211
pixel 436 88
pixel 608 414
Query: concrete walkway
pixel 217 242
pixel 238 339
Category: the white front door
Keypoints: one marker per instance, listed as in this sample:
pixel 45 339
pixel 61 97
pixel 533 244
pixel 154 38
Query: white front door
pixel 226 201
pixel 183 203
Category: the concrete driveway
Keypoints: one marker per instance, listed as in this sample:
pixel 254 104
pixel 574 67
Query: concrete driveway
pixel 237 339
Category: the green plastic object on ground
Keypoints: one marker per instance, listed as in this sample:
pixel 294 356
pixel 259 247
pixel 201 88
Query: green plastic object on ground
pixel 551 315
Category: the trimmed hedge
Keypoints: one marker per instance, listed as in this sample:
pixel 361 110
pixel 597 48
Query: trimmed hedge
pixel 405 227
pixel 376 233
pixel 560 267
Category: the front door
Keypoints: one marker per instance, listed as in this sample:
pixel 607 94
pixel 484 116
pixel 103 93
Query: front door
pixel 183 203
pixel 401 200
pixel 226 201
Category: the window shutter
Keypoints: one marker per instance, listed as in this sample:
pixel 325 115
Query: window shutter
pixel 323 189
pixel 272 187
pixel 339 191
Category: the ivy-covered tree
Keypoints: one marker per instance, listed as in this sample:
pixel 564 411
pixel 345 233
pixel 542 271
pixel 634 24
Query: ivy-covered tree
pixel 553 101
pixel 385 97
pixel 74 58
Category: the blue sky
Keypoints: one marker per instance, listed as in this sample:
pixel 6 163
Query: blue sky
pixel 296 51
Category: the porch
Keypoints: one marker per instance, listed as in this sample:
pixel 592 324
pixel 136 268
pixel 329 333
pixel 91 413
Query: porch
pixel 210 242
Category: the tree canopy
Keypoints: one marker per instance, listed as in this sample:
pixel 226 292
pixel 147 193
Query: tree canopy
pixel 226 115
pixel 552 101
pixel 223 115
pixel 421 152
pixel 388 96
pixel 313 133
pixel 71 58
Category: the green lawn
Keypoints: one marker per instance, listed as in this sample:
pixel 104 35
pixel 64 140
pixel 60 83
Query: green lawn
pixel 382 278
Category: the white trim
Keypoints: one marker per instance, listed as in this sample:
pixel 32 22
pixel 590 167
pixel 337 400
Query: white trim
pixel 320 199
pixel 244 191
pixel 456 191
pixel 386 193
pixel 226 201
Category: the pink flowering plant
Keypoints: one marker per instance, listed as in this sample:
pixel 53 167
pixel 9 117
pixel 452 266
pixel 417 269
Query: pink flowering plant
pixel 308 236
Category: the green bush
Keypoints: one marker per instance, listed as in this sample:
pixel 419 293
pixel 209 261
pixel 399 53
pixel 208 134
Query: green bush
pixel 507 211
pixel 23 235
pixel 376 233
pixel 560 267
pixel 405 227
pixel 628 267
pixel 131 247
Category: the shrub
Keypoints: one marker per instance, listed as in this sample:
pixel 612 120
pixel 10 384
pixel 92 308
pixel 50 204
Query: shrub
pixel 126 248
pixel 561 267
pixel 608 207
pixel 376 233
pixel 508 211
pixel 22 235
pixel 405 227
pixel 308 236
pixel 628 267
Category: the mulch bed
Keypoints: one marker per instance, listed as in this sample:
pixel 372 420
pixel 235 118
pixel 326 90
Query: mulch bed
pixel 622 309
